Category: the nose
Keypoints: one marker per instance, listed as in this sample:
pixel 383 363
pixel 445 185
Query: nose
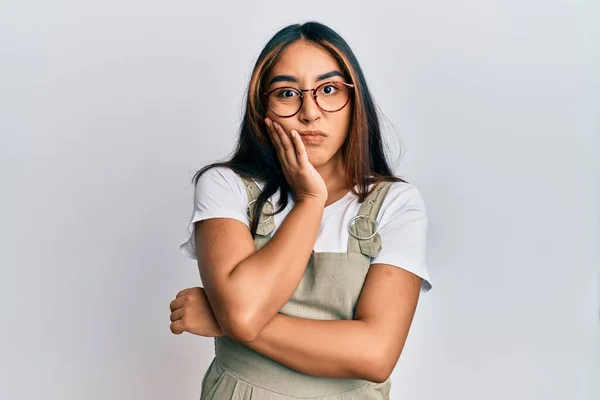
pixel 310 111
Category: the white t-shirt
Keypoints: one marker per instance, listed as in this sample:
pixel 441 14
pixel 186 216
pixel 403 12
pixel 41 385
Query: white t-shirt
pixel 402 219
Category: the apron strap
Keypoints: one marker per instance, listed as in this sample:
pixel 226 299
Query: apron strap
pixel 363 228
pixel 266 224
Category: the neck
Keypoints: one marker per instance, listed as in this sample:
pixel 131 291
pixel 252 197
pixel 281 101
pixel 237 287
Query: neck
pixel 334 175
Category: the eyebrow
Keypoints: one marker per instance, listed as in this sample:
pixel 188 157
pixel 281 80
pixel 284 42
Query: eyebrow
pixel 290 78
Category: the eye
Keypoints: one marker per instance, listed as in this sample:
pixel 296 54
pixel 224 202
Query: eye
pixel 329 89
pixel 286 93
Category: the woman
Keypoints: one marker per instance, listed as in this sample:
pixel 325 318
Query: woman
pixel 310 250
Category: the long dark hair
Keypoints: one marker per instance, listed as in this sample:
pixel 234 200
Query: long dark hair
pixel 255 157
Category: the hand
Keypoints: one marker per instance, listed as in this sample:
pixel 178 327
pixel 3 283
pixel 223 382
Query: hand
pixel 300 174
pixel 191 312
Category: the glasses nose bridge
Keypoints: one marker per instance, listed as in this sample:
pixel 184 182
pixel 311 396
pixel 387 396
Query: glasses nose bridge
pixel 309 90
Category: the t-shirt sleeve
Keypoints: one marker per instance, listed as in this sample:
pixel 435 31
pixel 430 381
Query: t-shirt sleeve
pixel 219 193
pixel 403 230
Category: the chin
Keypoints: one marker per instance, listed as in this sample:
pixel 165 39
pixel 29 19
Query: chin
pixel 316 159
pixel 319 156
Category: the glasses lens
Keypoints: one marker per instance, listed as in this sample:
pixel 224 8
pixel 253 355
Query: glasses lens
pixel 285 101
pixel 332 96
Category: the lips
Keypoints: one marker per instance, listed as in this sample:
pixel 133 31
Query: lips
pixel 312 137
pixel 312 133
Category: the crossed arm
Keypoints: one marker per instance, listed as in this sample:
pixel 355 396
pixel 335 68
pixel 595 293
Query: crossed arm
pixel 367 347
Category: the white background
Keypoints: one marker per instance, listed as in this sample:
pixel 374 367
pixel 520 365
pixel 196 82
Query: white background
pixel 108 108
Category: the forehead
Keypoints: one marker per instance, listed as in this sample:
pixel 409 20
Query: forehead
pixel 305 61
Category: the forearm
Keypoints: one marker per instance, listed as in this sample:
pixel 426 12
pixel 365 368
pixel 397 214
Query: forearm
pixel 263 282
pixel 327 348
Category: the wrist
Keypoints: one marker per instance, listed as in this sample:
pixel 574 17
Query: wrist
pixel 312 201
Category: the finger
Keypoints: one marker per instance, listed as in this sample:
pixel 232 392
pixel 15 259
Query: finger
pixel 272 133
pixel 287 145
pixel 301 154
pixel 183 292
pixel 177 303
pixel 270 129
pixel 177 327
pixel 177 314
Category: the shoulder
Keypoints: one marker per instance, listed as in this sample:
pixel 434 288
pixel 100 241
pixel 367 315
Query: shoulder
pixel 403 227
pixel 219 173
pixel 219 193
pixel 403 202
pixel 218 179
pixel 404 194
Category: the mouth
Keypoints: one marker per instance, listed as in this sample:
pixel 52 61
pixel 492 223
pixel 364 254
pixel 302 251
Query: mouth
pixel 312 138
pixel 312 134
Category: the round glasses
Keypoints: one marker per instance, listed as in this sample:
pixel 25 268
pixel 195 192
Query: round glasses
pixel 329 96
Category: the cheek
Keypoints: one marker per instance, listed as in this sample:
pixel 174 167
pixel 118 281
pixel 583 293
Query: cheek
pixel 342 124
pixel 270 115
pixel 285 123
pixel 273 117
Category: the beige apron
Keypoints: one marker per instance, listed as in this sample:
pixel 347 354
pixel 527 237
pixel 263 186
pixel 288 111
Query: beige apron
pixel 325 293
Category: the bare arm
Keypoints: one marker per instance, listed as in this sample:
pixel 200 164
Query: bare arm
pixel 367 347
pixel 247 288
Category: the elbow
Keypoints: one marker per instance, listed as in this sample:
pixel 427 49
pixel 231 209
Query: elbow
pixel 380 376
pixel 378 368
pixel 379 373
pixel 239 327
pixel 235 318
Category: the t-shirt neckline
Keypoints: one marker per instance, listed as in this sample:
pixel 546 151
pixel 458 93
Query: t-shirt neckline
pixel 341 202
pixel 336 205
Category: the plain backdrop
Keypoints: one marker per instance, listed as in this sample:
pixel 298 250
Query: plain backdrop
pixel 108 108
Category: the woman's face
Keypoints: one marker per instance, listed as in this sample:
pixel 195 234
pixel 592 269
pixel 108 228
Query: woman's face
pixel 304 66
